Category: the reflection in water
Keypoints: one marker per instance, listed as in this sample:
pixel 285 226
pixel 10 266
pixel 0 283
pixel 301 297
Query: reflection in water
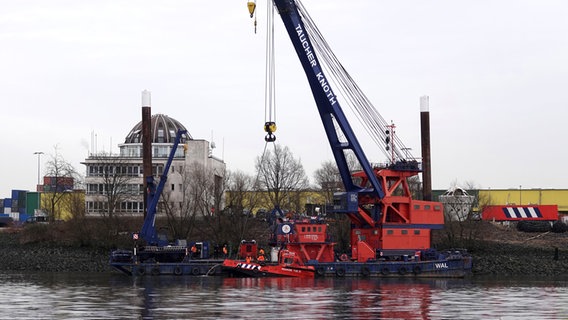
pixel 114 296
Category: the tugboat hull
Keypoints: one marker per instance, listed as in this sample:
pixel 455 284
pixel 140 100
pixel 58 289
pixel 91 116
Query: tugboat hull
pixel 236 268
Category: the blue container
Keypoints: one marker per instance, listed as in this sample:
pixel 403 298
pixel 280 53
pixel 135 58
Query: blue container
pixel 7 203
pixel 24 217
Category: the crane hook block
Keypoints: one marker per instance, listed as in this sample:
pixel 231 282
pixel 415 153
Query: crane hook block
pixel 270 127
pixel 251 6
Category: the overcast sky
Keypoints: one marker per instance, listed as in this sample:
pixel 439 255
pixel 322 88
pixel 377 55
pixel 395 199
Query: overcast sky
pixel 496 73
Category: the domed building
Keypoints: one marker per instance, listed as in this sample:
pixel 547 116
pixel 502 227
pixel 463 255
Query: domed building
pixel 114 184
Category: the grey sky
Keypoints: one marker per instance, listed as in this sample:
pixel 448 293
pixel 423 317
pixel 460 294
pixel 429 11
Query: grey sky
pixel 495 72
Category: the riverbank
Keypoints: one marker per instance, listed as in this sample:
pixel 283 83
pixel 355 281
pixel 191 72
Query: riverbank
pixel 505 250
pixel 502 252
pixel 49 257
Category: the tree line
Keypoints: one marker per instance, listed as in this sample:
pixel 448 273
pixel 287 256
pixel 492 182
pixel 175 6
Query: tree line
pixel 223 207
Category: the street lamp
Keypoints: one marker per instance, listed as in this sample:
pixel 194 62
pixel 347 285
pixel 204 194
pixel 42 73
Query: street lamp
pixel 38 153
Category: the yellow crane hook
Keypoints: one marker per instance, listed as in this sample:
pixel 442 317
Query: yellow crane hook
pixel 251 6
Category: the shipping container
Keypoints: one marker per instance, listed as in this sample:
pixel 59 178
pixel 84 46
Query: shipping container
pixel 15 216
pixel 32 202
pixel 23 217
pixel 516 213
pixel 16 194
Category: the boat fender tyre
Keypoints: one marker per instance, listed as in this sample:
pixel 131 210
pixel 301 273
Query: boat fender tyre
pixel 343 257
pixel 417 270
pixel 195 271
pixel 365 272
pixel 141 271
pixel 385 271
pixel 320 271
pixel 255 270
pixel 340 272
pixel 156 271
pixel 402 270
pixel 177 271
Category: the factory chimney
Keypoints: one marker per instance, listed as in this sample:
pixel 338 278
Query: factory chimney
pixel 425 137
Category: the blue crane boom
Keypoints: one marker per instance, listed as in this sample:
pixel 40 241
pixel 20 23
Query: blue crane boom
pixel 149 232
pixel 328 106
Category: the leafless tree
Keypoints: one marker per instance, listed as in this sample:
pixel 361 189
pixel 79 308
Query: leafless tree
pixel 115 187
pixel 328 180
pixel 60 181
pixel 242 197
pixel 415 186
pixel 463 227
pixel 280 174
pixel 80 229
pixel 180 217
pixel 236 221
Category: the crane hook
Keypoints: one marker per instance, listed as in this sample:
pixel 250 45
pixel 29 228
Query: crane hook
pixel 270 127
pixel 251 6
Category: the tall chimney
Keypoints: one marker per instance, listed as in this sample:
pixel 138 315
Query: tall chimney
pixel 425 137
pixel 146 144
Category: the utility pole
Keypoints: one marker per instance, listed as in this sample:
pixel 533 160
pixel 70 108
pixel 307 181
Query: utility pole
pixel 38 153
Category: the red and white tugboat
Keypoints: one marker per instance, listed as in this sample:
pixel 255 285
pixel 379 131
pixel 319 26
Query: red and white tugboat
pixel 253 263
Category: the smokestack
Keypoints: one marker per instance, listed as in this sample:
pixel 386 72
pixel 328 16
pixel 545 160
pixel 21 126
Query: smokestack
pixel 146 144
pixel 425 137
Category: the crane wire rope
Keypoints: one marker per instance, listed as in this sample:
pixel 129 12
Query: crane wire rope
pixel 373 123
pixel 269 97
pixel 270 74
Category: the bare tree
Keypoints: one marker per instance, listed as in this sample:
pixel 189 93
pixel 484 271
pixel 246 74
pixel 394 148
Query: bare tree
pixel 234 223
pixel 280 174
pixel 60 176
pixel 178 210
pixel 80 229
pixel 461 224
pixel 415 186
pixel 201 188
pixel 242 197
pixel 328 180
pixel 115 187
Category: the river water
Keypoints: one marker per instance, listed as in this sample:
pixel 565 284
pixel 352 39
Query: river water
pixel 116 296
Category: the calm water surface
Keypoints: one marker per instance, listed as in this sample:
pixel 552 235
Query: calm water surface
pixel 115 296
